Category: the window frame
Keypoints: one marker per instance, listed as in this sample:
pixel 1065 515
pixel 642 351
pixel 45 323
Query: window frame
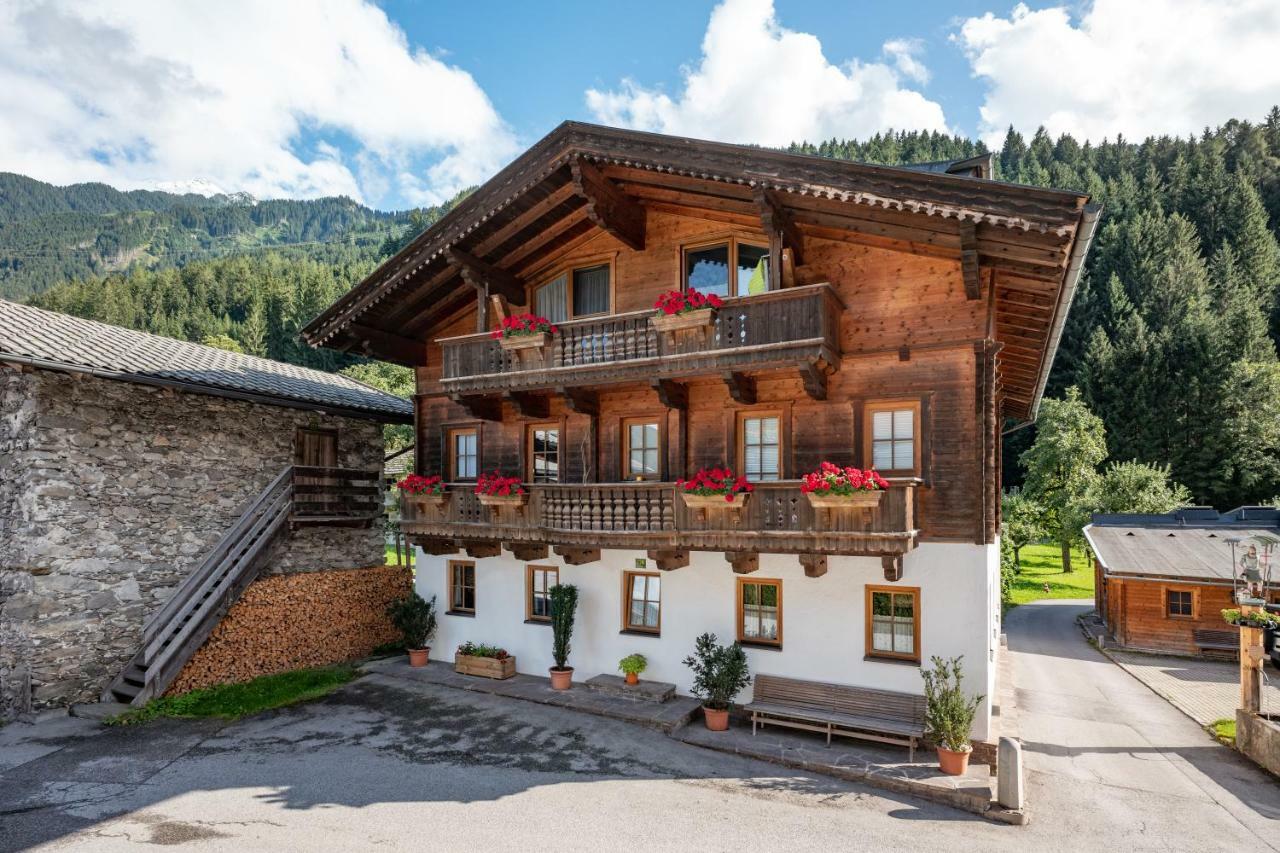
pixel 451 459
pixel 738 612
pixel 450 577
pixel 643 420
pixel 869 410
pixel 871 652
pixel 627 627
pixel 730 239
pixel 1188 590
pixel 558 426
pixel 740 440
pixel 529 589
pixel 567 269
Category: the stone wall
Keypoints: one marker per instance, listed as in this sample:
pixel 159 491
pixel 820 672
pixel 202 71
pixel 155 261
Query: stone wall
pixel 112 492
pixel 300 620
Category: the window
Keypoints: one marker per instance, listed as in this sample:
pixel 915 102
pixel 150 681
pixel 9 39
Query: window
pixel 893 624
pixel 464 454
pixel 760 447
pixel 706 268
pixel 893 431
pixel 544 453
pixel 540 581
pixel 642 602
pixel 641 450
pixel 1179 603
pixel 550 300
pixel 591 291
pixel 760 611
pixel 462 587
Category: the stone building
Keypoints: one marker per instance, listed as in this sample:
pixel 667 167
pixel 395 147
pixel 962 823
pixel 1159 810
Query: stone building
pixel 124 457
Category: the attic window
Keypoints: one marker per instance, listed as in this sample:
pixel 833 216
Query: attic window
pixel 1170 535
pixel 1213 536
pixel 1130 533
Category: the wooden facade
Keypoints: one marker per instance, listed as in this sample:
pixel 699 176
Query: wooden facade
pixel 932 293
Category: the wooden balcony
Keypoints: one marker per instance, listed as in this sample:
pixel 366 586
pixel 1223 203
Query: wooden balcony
pixel 793 329
pixel 581 519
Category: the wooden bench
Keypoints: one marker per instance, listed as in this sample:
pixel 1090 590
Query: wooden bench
pixel 837 709
pixel 1213 639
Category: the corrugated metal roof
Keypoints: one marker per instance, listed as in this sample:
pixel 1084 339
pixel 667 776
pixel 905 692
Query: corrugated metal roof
pixel 1183 551
pixel 55 340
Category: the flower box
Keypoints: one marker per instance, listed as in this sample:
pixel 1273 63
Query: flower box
pixel 857 500
pixel 715 501
pixel 503 500
pixel 485 667
pixel 525 342
pixel 700 319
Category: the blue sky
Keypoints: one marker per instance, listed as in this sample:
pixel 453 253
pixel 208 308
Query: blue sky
pixel 399 103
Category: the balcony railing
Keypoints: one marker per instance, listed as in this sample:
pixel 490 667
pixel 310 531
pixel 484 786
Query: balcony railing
pixel 769 331
pixel 777 518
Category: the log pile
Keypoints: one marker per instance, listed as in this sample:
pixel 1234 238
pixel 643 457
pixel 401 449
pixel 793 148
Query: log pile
pixel 298 620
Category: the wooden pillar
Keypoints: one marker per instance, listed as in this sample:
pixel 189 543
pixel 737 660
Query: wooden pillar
pixel 1251 655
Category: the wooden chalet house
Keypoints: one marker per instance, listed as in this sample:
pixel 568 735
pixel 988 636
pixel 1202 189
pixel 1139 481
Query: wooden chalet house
pixel 894 317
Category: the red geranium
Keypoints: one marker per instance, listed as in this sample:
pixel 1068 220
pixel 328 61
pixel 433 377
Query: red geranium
pixel 417 484
pixel 831 479
pixel 523 324
pixel 497 484
pixel 715 481
pixel 683 301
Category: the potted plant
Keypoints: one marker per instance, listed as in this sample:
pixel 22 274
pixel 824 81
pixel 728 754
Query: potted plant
pixel 420 491
pixel 1256 619
pixel 497 489
pixel 714 488
pixel 524 332
pixel 719 674
pixel 832 487
pixel 564 605
pixel 485 661
pixel 949 714
pixel 415 619
pixel 687 309
pixel 632 666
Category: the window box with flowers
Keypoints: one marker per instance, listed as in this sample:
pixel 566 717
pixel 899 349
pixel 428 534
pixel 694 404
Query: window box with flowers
pixel 522 332
pixel 685 309
pixel 496 489
pixel 833 487
pixel 422 492
pixel 484 661
pixel 714 488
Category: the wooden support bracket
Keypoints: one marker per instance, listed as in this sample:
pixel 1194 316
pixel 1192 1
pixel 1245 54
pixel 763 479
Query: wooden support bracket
pixel 436 547
pixel 673 395
pixel 815 565
pixel 483 408
pixel 608 206
pixel 892 565
pixel 669 559
pixel 480 274
pixel 742 388
pixel 815 380
pixel 533 406
pixel 576 556
pixel 477 548
pixel 580 401
pixel 969 260
pixel 743 562
pixel 525 551
pixel 783 234
pixel 390 347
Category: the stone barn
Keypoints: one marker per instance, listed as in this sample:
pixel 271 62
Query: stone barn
pixel 145 483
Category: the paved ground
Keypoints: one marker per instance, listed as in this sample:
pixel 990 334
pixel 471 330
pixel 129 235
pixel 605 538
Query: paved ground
pixel 405 765
pixel 1205 690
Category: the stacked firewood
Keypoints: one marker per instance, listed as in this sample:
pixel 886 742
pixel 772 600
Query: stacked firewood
pixel 298 620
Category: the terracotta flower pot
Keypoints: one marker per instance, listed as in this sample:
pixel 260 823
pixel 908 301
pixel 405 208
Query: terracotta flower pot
pixel 716 720
pixel 418 657
pixel 953 763
pixel 633 678
pixel 561 679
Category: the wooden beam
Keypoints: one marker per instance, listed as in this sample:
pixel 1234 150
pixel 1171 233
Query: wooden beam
pixel 552 232
pixel 815 381
pixel 669 559
pixel 607 206
pixel 673 395
pixel 743 562
pixel 815 565
pixel 892 565
pixel 390 347
pixel 579 400
pixel 526 551
pixel 434 546
pixel 484 408
pixel 479 548
pixel 575 556
pixel 969 261
pixel 524 220
pixel 783 233
pixel 534 406
pixel 742 388
pixel 484 276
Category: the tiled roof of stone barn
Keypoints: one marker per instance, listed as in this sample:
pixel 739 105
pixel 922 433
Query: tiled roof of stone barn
pixel 62 342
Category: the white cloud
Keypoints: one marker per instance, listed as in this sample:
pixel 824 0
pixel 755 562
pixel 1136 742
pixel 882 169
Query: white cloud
pixel 761 83
pixel 230 93
pixel 1155 67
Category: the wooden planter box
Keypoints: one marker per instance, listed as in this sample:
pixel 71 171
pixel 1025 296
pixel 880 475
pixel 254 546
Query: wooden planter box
pixel 693 501
pixel 859 500
pixel 700 319
pixel 503 500
pixel 484 667
pixel 525 342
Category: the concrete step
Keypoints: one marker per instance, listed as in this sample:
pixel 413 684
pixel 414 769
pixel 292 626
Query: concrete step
pixel 98 710
pixel 645 691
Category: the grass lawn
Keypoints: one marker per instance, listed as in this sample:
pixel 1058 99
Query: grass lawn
pixel 391 556
pixel 1042 564
pixel 1225 731
pixel 238 700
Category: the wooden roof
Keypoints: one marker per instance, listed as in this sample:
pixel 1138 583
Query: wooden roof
pixel 583 178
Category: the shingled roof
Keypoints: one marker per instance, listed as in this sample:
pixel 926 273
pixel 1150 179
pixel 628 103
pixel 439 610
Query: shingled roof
pixel 50 340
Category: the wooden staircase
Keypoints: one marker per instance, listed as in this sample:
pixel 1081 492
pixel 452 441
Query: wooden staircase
pixel 173 633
